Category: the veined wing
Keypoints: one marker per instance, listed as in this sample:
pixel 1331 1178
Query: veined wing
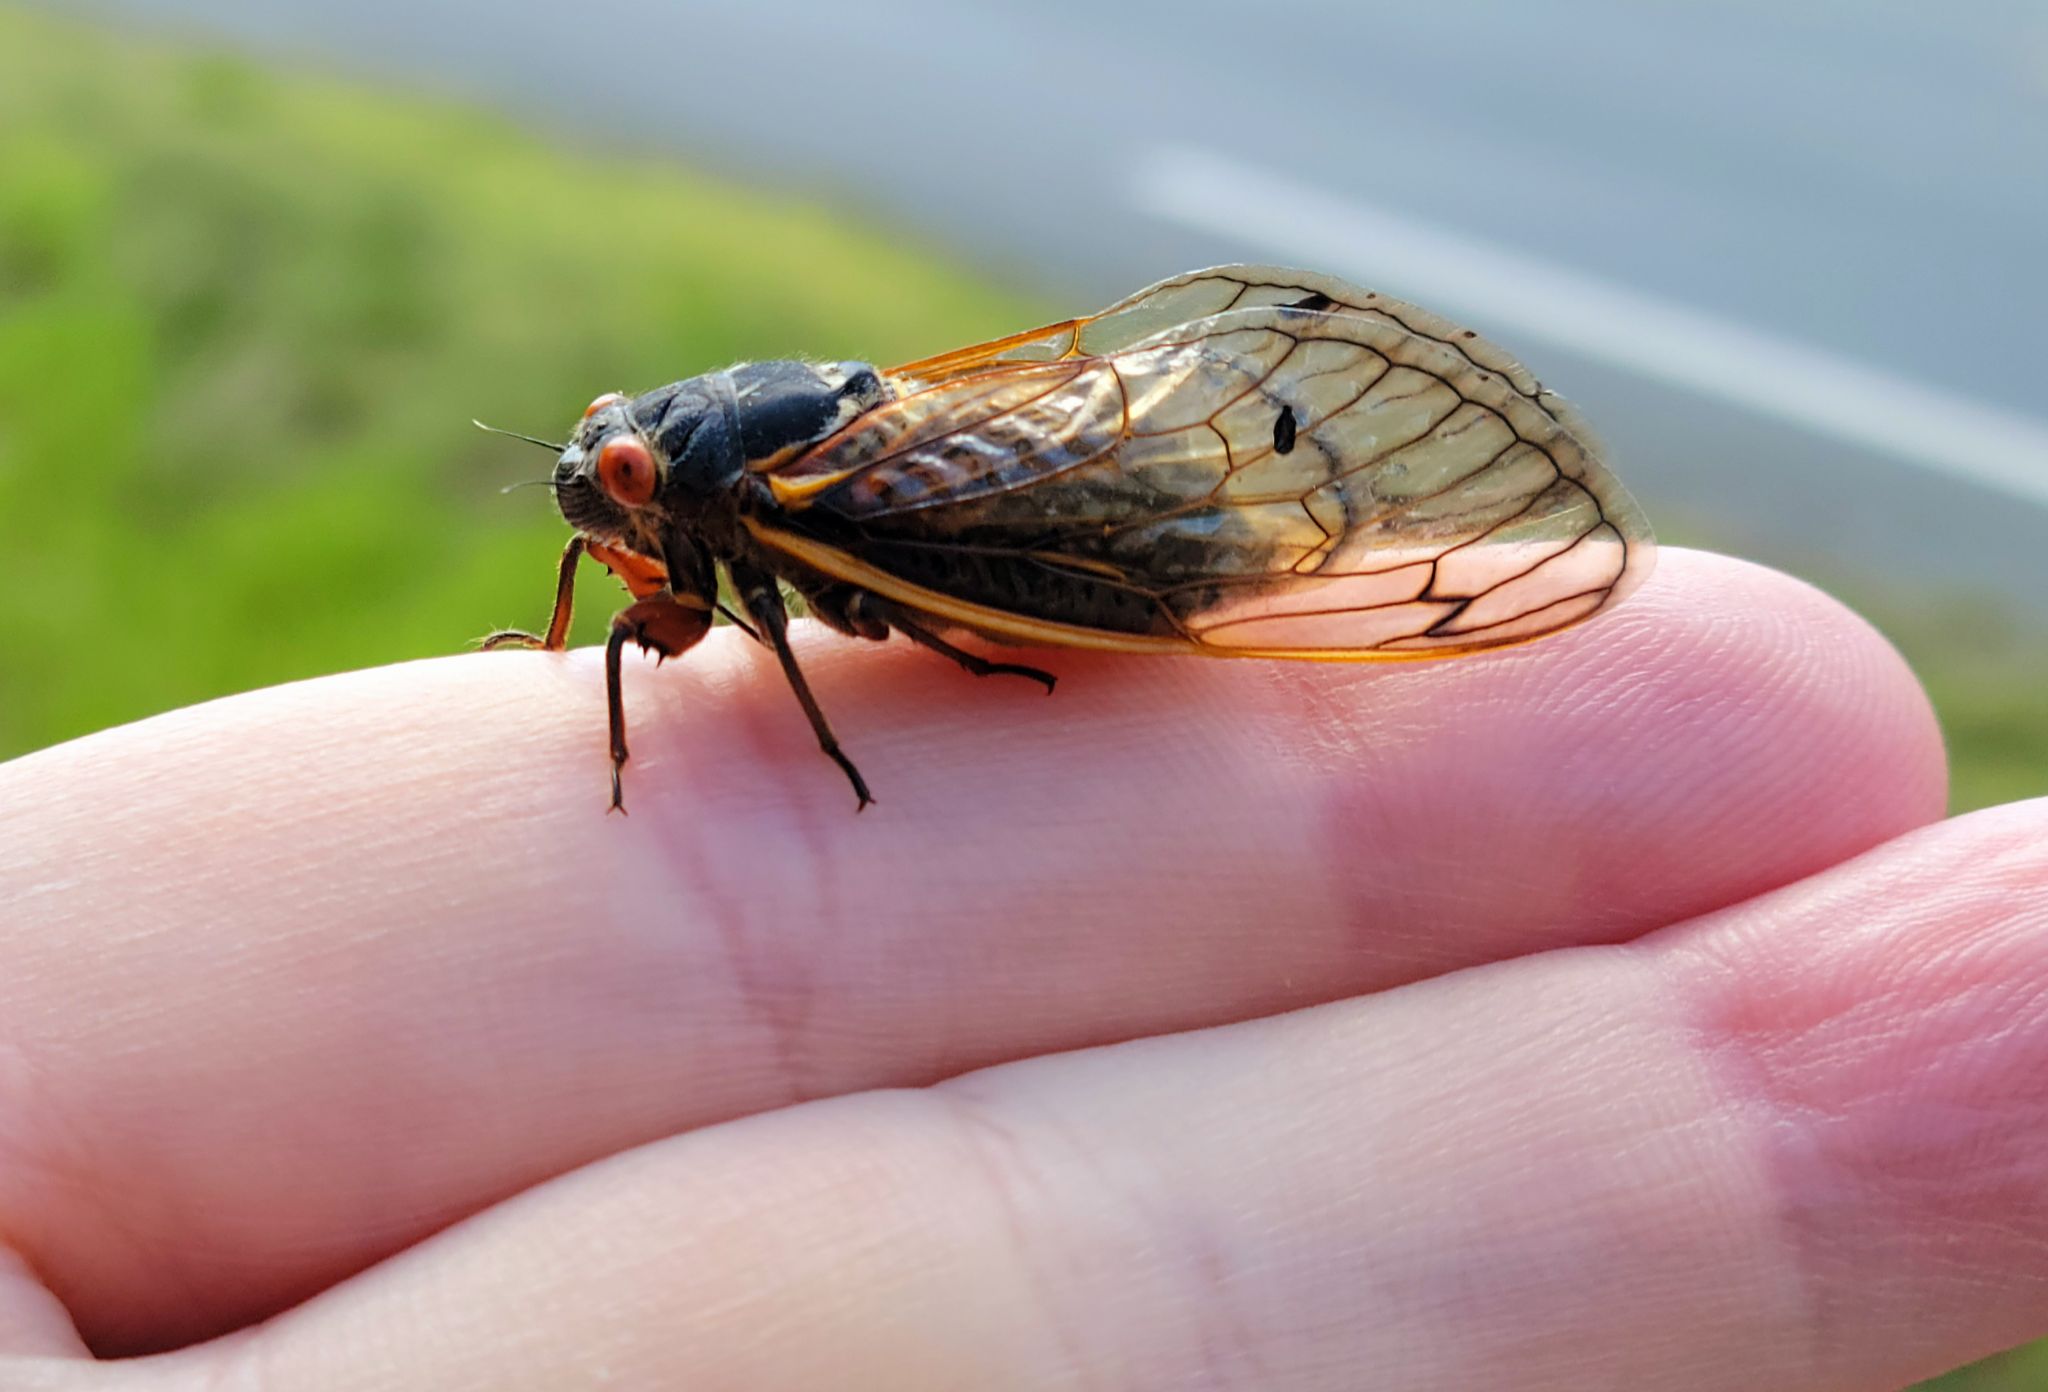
pixel 1180 300
pixel 1330 475
pixel 1194 295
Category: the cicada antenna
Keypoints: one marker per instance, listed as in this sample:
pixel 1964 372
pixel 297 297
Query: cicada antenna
pixel 515 435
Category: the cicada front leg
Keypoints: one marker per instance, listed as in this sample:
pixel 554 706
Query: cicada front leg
pixel 664 624
pixel 557 636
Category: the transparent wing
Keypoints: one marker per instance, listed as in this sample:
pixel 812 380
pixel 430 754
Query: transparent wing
pixel 1181 300
pixel 1196 295
pixel 1318 473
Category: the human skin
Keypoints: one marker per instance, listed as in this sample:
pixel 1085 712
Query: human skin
pixel 1614 1012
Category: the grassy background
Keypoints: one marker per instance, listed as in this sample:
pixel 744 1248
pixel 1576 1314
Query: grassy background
pixel 244 323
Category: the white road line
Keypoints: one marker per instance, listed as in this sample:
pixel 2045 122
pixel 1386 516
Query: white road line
pixel 1514 296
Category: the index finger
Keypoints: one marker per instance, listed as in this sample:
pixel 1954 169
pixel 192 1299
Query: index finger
pixel 303 975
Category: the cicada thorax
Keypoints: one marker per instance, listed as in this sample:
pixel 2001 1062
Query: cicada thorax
pixel 715 428
pixel 785 407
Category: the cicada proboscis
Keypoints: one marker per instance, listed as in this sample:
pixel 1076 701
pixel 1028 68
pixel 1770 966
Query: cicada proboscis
pixel 1240 462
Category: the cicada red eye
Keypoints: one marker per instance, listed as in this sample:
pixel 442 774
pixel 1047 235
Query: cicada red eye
pixel 626 470
pixel 608 399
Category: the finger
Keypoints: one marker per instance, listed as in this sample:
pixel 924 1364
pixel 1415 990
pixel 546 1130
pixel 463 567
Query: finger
pixel 306 974
pixel 32 1322
pixel 1796 1146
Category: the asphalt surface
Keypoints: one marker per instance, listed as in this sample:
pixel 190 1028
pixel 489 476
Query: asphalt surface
pixel 1792 259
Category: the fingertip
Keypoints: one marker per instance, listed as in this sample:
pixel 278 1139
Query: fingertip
pixel 1728 730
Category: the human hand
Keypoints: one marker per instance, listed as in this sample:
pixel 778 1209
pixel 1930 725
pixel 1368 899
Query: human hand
pixel 1705 1069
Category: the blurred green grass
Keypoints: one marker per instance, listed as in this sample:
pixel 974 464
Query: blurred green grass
pixel 1987 669
pixel 2022 1370
pixel 246 317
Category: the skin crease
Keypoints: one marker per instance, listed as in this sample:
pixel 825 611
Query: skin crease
pixel 1705 1068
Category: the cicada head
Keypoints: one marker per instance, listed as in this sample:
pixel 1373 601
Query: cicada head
pixel 634 462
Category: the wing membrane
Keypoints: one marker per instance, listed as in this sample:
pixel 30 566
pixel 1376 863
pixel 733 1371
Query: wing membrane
pixel 1183 299
pixel 1246 461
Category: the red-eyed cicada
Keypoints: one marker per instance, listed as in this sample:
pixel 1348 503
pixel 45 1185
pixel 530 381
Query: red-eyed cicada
pixel 1240 462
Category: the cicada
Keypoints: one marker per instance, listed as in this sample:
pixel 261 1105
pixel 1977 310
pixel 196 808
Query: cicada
pixel 1247 461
